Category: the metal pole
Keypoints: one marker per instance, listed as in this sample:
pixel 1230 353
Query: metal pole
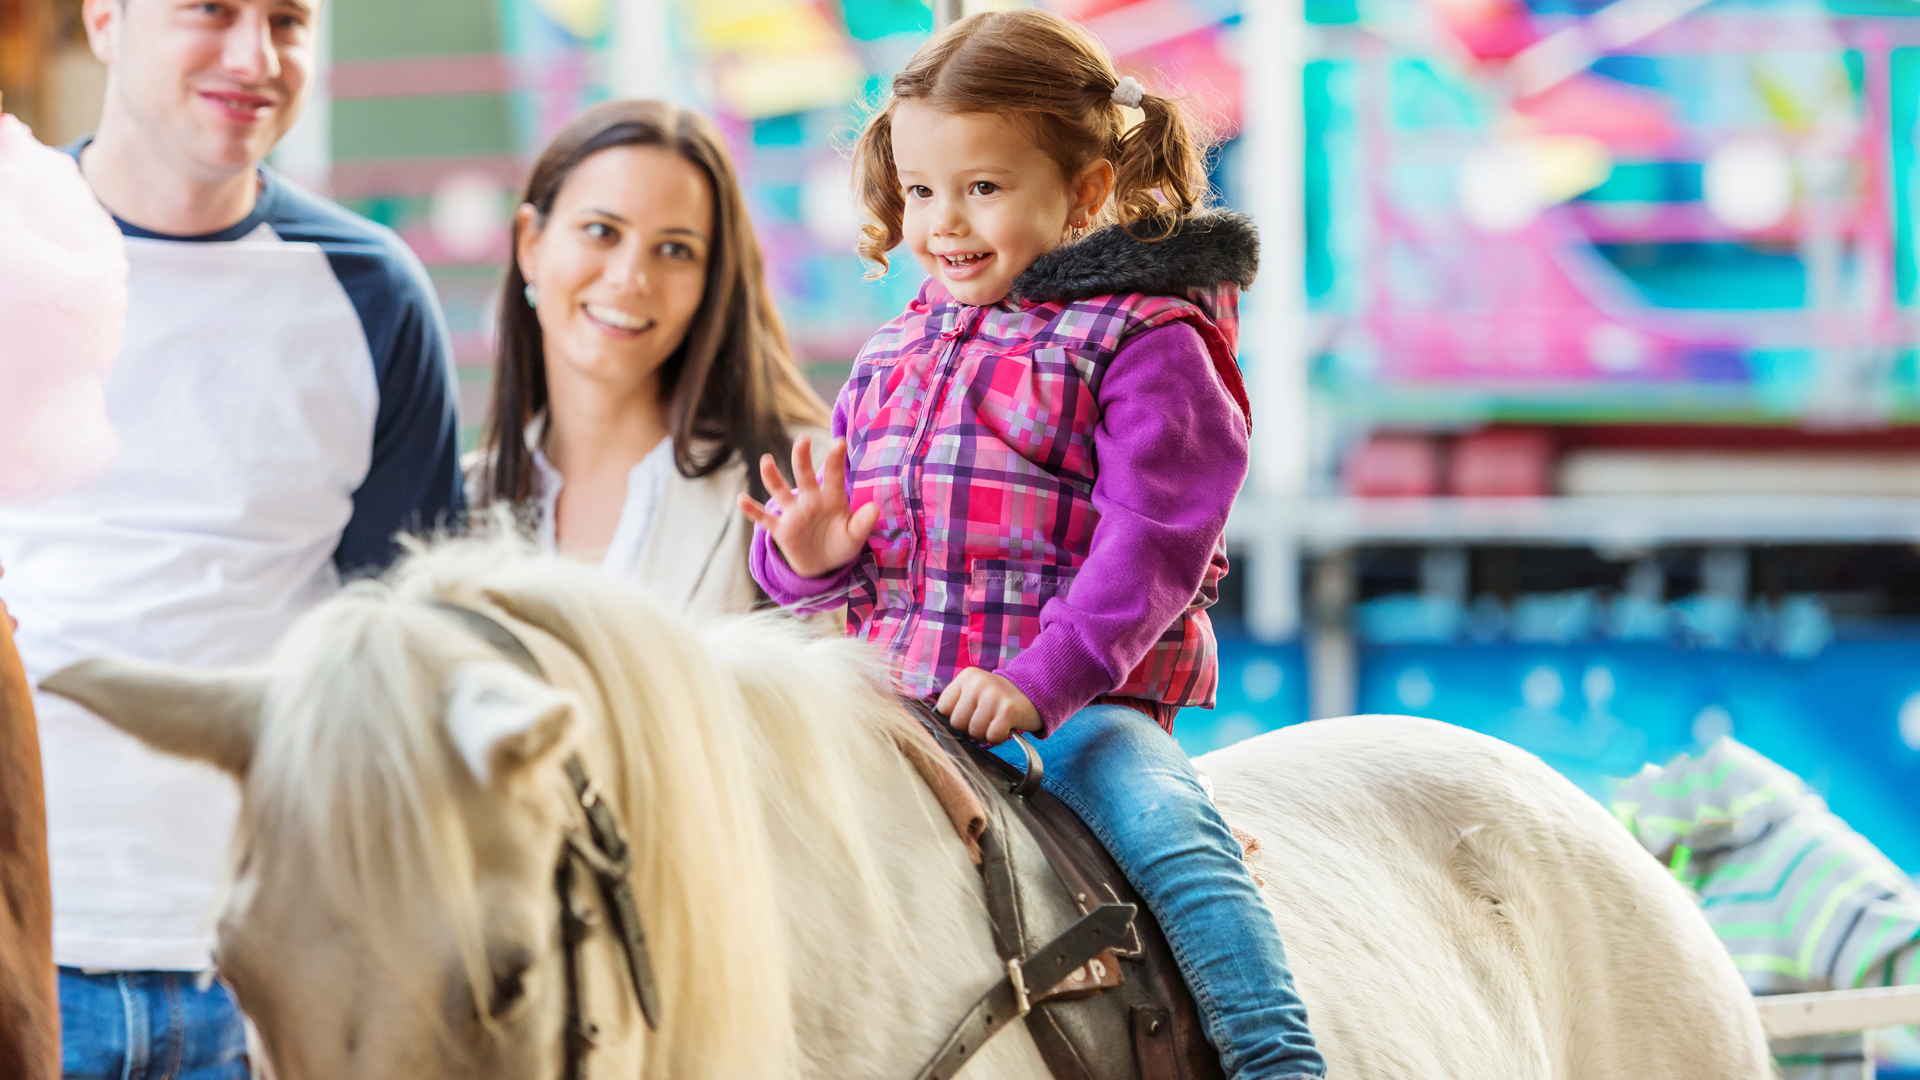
pixel 945 12
pixel 1333 657
pixel 640 52
pixel 1271 183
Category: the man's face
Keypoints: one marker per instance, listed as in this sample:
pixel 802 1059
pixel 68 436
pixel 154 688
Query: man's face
pixel 218 82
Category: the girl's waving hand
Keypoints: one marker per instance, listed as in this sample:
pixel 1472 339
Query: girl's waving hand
pixel 811 521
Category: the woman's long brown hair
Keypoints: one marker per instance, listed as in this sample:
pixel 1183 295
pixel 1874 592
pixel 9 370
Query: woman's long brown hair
pixel 733 389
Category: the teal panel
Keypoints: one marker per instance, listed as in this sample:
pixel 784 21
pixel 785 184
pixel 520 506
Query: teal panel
pixel 1905 68
pixel 393 211
pixel 1320 108
pixel 1650 181
pixel 1424 99
pixel 1332 12
pixel 789 130
pixel 782 199
pixel 443 125
pixel 870 19
pixel 1730 277
pixel 383 30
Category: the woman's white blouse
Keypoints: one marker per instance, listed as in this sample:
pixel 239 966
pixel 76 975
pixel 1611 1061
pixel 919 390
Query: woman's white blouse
pixel 646 483
pixel 695 561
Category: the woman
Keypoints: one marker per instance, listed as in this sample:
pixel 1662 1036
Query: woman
pixel 641 363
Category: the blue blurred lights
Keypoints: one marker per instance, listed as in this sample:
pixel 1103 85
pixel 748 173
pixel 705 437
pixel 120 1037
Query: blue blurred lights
pixel 1712 724
pixel 1910 721
pixel 1261 680
pixel 1415 688
pixel 1543 688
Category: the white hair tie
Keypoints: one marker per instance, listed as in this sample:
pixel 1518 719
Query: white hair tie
pixel 1129 93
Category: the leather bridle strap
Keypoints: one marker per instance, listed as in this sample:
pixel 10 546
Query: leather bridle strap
pixel 602 847
pixel 1008 1000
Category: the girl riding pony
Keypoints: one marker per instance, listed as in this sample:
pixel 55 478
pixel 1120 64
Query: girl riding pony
pixel 1034 463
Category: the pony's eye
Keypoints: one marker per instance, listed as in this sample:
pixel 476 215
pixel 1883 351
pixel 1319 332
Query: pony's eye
pixel 509 986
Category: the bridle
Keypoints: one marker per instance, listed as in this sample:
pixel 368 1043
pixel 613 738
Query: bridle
pixel 598 845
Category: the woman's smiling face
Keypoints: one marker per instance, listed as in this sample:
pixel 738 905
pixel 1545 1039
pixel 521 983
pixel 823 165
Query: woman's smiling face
pixel 983 200
pixel 620 264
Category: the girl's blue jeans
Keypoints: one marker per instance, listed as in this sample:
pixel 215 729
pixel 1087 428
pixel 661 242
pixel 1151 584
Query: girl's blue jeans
pixel 1132 785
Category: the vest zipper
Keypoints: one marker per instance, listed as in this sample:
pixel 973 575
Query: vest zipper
pixel 956 330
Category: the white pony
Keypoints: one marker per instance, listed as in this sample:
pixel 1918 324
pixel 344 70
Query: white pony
pixel 1452 907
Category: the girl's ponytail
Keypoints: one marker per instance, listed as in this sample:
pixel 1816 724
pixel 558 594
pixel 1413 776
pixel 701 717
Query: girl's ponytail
pixel 877 187
pixel 1157 168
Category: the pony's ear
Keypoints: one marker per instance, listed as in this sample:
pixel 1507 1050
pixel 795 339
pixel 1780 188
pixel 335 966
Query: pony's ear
pixel 211 716
pixel 503 720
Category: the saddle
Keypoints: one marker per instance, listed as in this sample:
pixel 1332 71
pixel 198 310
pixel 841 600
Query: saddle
pixel 1087 964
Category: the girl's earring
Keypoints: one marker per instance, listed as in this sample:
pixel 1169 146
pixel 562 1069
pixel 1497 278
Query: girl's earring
pixel 533 298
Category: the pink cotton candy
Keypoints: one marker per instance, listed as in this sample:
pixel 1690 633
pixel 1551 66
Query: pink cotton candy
pixel 63 309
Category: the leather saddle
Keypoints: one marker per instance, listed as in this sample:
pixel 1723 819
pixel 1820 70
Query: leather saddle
pixel 1124 1014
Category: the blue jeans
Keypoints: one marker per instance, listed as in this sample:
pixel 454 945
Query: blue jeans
pixel 1129 782
pixel 148 1025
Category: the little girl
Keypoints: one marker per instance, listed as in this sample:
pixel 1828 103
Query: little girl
pixel 1034 463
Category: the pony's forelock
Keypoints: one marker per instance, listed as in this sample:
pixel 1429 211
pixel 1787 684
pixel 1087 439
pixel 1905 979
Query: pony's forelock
pixel 353 770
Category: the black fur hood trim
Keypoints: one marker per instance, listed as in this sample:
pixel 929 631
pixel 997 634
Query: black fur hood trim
pixel 1209 247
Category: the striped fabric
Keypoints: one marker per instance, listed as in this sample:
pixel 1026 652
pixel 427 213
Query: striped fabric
pixel 1801 900
pixel 972 429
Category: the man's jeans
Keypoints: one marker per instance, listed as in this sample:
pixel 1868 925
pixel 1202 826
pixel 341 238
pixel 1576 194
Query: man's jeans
pixel 149 1025
pixel 1129 781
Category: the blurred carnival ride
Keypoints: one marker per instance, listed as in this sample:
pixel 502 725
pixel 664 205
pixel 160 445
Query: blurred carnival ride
pixel 1648 211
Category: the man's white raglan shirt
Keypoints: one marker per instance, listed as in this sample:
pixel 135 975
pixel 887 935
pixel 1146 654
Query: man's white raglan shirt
pixel 285 406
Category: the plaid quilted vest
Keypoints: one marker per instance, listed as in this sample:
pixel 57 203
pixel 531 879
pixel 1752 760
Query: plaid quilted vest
pixel 972 429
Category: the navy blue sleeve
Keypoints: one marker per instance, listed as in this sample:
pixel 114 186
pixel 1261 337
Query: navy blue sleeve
pixel 413 483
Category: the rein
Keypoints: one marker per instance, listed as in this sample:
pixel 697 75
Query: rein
pixel 601 847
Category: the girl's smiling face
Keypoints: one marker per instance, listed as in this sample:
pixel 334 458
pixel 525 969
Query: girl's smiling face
pixel 983 200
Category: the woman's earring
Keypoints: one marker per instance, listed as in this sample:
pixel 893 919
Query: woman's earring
pixel 533 298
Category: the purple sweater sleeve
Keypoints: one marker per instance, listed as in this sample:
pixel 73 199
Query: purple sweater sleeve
pixel 785 585
pixel 1172 453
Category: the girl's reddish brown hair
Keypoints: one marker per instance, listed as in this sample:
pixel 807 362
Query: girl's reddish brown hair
pixel 1050 75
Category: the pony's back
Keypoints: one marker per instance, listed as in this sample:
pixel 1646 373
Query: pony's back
pixel 1453 907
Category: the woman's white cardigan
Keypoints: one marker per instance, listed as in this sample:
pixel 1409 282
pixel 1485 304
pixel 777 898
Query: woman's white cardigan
pixel 694 557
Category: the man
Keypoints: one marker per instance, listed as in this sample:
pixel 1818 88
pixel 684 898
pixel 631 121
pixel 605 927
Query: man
pixel 284 405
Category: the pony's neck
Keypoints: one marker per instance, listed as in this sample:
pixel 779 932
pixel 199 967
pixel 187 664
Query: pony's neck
pixel 879 981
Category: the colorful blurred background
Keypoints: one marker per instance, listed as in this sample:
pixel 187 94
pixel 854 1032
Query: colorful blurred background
pixel 1585 358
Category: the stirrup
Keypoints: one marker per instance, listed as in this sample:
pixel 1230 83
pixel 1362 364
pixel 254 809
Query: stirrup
pixel 1035 771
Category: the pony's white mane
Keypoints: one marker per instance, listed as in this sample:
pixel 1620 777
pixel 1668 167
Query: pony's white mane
pixel 714 729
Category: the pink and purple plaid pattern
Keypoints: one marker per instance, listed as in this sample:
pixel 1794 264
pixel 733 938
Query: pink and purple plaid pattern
pixel 972 429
